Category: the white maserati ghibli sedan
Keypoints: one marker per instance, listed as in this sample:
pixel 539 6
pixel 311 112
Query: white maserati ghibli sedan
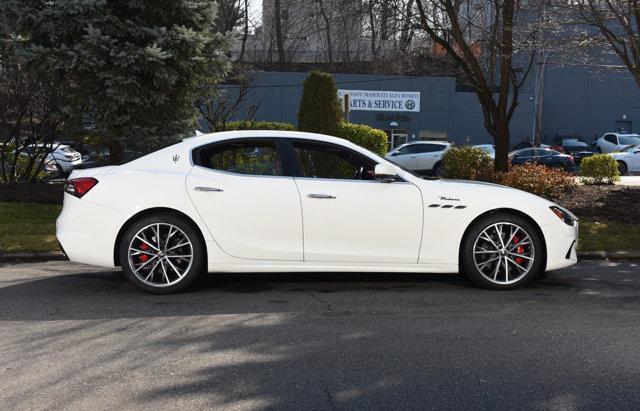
pixel 273 201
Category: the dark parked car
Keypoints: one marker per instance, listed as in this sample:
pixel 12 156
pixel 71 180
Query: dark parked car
pixel 575 147
pixel 543 156
pixel 529 144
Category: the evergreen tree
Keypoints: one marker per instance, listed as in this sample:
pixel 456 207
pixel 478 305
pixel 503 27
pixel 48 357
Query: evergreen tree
pixel 134 66
pixel 319 108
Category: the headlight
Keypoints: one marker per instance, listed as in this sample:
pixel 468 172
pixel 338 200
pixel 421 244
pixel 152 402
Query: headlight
pixel 564 214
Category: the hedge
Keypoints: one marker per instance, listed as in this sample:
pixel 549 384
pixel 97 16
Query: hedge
pixel 598 169
pixel 467 163
pixel 256 125
pixel 368 137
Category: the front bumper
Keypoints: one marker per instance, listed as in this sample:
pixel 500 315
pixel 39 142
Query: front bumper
pixel 562 243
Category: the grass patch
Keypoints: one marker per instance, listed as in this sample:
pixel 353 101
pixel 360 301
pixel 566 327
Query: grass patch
pixel 600 235
pixel 28 227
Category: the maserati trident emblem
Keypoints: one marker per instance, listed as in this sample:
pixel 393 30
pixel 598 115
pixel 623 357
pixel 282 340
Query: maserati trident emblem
pixel 176 158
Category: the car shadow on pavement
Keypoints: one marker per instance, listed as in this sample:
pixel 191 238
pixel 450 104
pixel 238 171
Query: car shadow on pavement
pixel 313 341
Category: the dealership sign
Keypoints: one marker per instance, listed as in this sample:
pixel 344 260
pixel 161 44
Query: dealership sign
pixel 372 100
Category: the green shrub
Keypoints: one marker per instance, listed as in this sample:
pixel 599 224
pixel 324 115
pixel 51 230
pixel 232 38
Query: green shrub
pixel 368 137
pixel 256 125
pixel 319 107
pixel 599 169
pixel 467 163
pixel 537 179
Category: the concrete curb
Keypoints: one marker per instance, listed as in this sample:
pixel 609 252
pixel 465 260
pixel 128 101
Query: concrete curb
pixel 609 255
pixel 27 257
pixel 23 257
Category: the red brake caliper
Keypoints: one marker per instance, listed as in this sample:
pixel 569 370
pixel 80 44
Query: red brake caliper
pixel 143 257
pixel 519 249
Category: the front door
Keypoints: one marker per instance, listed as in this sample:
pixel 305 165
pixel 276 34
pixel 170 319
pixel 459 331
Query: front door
pixel 348 215
pixel 251 209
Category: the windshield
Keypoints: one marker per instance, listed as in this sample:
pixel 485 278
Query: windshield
pixel 629 140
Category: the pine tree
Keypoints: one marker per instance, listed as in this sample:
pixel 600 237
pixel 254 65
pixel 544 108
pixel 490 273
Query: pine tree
pixel 134 65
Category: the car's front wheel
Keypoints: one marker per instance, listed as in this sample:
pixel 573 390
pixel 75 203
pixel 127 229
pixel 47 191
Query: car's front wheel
pixel 501 251
pixel 162 254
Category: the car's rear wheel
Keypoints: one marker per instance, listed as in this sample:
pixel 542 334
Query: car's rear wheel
pixel 501 252
pixel 622 167
pixel 162 254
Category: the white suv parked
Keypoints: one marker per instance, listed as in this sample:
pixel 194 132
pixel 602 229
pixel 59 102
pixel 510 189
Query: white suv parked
pixel 612 142
pixel 420 156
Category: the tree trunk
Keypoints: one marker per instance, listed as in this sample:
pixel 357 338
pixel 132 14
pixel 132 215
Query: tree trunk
pixel 372 23
pixel 501 137
pixel 327 25
pixel 279 41
pixel 245 33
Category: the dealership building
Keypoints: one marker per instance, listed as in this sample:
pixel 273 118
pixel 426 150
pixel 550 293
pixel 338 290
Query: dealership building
pixel 575 102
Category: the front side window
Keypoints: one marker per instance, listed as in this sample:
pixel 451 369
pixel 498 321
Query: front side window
pixel 406 150
pixel 611 139
pixel 317 160
pixel 524 153
pixel 253 157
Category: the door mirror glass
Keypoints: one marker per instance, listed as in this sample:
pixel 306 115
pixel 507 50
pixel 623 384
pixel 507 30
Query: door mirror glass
pixel 385 173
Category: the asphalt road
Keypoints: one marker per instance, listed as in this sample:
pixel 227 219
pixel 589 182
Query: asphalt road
pixel 74 336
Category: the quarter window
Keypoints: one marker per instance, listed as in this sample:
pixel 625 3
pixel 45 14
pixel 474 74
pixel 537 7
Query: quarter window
pixel 334 162
pixel 253 157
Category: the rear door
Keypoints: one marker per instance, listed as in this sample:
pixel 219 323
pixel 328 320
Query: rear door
pixel 250 207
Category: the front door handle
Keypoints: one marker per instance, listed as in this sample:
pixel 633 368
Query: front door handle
pixel 208 189
pixel 325 196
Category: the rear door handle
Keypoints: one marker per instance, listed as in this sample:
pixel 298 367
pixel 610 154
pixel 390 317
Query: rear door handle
pixel 208 189
pixel 325 196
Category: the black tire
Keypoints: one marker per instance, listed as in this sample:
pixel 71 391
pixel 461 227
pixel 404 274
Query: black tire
pixel 192 271
pixel 598 150
pixel 622 167
pixel 469 267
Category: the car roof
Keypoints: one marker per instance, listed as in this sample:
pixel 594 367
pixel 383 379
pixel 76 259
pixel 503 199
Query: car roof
pixel 622 134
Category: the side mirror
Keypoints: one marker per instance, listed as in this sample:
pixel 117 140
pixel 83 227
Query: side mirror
pixel 385 173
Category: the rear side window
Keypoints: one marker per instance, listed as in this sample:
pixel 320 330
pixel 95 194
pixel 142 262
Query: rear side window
pixel 251 157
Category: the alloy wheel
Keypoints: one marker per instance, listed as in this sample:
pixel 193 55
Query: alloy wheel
pixel 503 253
pixel 160 254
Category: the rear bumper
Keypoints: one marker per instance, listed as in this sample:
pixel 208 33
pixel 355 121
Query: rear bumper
pixel 87 232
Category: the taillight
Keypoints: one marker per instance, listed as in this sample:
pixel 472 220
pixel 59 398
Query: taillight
pixel 80 186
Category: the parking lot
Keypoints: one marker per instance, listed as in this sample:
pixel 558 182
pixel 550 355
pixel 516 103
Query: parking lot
pixel 77 336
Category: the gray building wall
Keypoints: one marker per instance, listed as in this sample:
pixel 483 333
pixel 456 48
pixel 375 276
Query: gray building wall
pixel 575 102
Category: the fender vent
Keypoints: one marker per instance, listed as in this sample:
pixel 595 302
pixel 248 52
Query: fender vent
pixel 459 207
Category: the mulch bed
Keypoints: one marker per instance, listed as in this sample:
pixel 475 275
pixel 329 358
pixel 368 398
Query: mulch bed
pixel 605 202
pixel 41 193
